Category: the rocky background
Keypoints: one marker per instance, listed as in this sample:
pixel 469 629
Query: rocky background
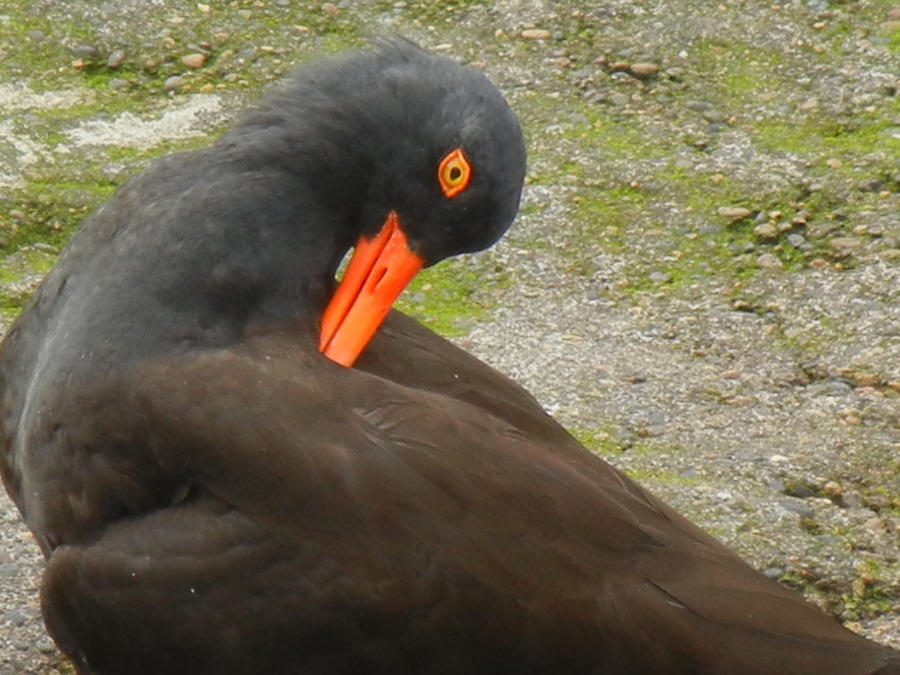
pixel 703 285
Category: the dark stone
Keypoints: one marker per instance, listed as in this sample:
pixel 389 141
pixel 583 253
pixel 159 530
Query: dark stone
pixel 799 490
pixel 86 51
pixel 801 510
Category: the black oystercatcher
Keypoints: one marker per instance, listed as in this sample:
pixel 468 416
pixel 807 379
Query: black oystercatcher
pixel 214 495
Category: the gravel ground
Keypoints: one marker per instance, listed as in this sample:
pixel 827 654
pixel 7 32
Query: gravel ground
pixel 704 283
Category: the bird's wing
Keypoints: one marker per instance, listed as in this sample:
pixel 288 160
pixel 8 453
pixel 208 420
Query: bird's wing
pixel 337 519
pixel 406 352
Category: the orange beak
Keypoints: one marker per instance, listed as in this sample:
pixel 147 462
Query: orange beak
pixel 379 270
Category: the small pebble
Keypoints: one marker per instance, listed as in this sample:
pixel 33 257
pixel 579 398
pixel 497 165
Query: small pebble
pixel 643 70
pixel 714 116
pixel 797 240
pixel 734 213
pixel 875 524
pixel 45 646
pixel 248 54
pixel 774 572
pixel 173 82
pixel 837 388
pixel 846 243
pixel 195 60
pixel 862 379
pixel 799 490
pixel 698 106
pixel 766 231
pixel 832 489
pixel 769 261
pixel 86 52
pixel 535 34
pixel 116 59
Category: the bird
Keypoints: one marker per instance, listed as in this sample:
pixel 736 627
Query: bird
pixel 234 463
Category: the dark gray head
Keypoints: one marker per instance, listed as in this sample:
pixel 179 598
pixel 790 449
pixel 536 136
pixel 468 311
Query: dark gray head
pixel 374 128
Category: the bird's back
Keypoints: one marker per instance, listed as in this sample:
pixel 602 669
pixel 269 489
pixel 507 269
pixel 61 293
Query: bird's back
pixel 430 535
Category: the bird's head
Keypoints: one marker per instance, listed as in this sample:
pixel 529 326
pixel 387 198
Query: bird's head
pixel 445 163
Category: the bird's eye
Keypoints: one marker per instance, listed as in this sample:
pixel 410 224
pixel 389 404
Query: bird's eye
pixel 454 173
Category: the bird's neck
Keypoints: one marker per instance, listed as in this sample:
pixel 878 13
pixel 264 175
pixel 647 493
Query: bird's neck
pixel 291 214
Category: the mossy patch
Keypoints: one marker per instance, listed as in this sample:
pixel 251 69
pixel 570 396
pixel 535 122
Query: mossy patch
pixel 873 592
pixel 601 441
pixel 446 297
pixel 820 135
pixel 636 457
pixel 736 72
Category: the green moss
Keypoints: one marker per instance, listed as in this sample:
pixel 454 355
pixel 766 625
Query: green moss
pixel 49 213
pixel 872 592
pixel 615 138
pixel 637 458
pixel 603 216
pixel 261 27
pixel 820 135
pixel 617 219
pixel 735 72
pixel 893 34
pixel 27 264
pixel 887 500
pixel 445 297
pixel 600 441
pixel 612 214
pixel 59 119
pixel 30 261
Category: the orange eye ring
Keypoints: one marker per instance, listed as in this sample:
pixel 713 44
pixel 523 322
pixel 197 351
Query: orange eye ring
pixel 454 173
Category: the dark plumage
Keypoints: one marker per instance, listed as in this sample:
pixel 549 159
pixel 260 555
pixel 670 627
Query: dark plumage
pixel 214 495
